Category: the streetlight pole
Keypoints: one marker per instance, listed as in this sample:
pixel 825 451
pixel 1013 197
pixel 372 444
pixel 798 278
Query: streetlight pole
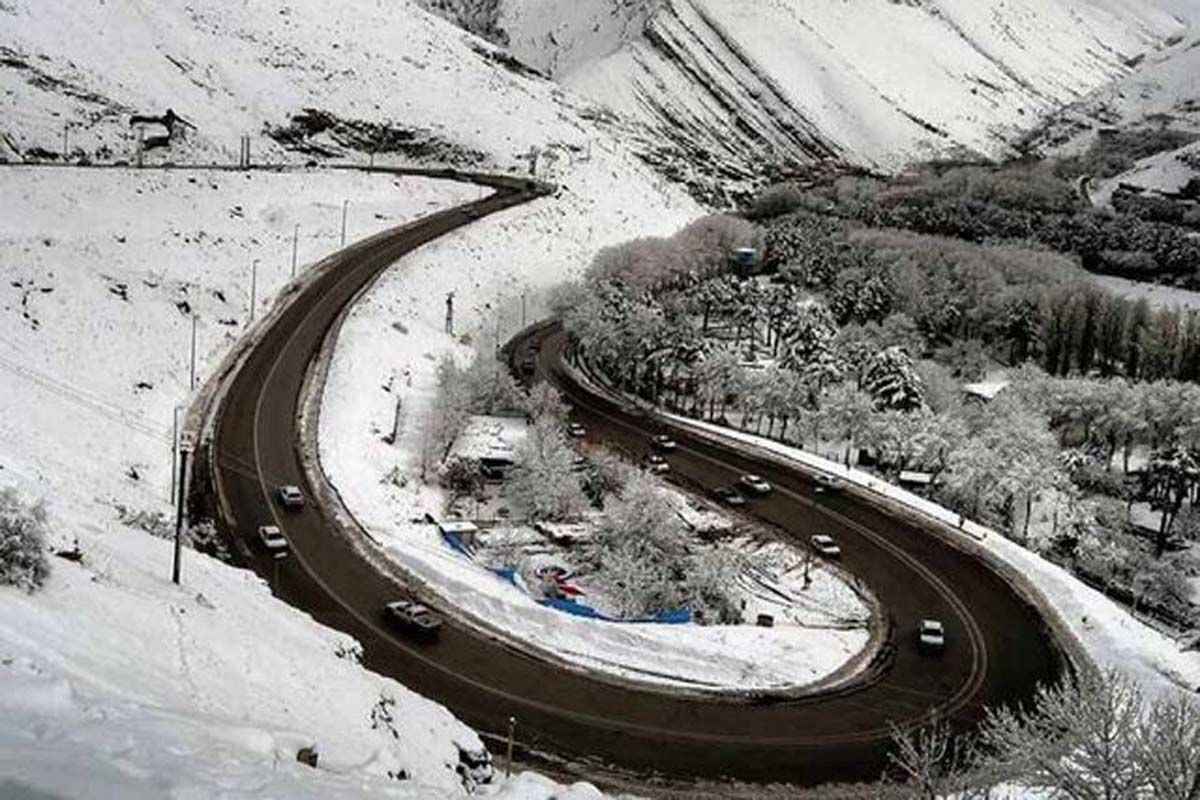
pixel 295 245
pixel 253 288
pixel 345 206
pixel 192 382
pixel 185 448
pixel 512 730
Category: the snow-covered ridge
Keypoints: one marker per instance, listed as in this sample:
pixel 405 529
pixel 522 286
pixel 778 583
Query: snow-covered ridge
pixel 873 81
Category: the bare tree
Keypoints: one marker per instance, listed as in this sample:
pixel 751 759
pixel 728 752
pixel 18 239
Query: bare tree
pixel 935 763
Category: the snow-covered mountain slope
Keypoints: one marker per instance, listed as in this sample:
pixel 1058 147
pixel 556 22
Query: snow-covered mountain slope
pixel 102 268
pixel 876 82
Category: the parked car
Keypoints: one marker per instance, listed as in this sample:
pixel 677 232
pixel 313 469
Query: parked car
pixel 413 618
pixel 291 497
pixel 576 431
pixel 664 443
pixel 729 496
pixel 755 484
pixel 826 546
pixel 272 538
pixel 657 464
pixel 579 464
pixel 931 636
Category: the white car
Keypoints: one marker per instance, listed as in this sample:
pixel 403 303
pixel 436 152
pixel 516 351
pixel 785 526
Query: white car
pixel 657 464
pixel 755 484
pixel 931 636
pixel 826 546
pixel 291 497
pixel 664 443
pixel 272 538
pixel 576 431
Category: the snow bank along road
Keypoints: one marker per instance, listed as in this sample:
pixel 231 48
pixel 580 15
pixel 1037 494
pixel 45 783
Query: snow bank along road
pixel 999 648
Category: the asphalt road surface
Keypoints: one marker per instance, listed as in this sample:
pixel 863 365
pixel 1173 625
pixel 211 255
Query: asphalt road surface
pixel 998 649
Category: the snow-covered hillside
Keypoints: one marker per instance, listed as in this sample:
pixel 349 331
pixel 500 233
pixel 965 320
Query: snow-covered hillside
pixel 113 681
pixel 95 333
pixel 873 81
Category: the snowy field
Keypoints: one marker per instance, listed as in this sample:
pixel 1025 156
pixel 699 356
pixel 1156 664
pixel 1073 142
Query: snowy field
pixel 114 682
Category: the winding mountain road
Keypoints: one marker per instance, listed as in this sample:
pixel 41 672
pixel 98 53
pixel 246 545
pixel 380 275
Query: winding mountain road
pixel 999 647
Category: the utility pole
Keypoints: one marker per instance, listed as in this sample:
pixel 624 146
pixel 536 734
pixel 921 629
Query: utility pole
pixel 185 449
pixel 253 287
pixel 345 205
pixel 140 145
pixel 450 313
pixel 399 415
pixel 523 294
pixel 512 730
pixel 66 148
pixel 295 246
pixel 174 452
pixel 192 383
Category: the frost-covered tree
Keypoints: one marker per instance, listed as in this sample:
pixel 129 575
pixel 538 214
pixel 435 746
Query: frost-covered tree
pixel 545 402
pixel 543 484
pixel 808 335
pixel 639 547
pixel 845 412
pixel 892 379
pixel 1008 454
pixel 1097 737
pixel 23 561
pixel 710 586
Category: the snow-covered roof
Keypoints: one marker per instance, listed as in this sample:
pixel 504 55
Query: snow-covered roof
pixel 985 389
pixel 458 526
pixel 494 438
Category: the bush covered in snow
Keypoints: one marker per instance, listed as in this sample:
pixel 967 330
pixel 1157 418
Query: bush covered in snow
pixel 23 561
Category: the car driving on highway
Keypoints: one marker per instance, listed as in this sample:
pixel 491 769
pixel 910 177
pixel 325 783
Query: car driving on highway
pixel 272 538
pixel 657 464
pixel 729 496
pixel 931 636
pixel 664 443
pixel 826 483
pixel 413 618
pixel 755 484
pixel 826 546
pixel 291 497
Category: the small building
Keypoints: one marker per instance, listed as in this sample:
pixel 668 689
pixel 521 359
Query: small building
pixel 917 479
pixel 492 441
pixel 459 534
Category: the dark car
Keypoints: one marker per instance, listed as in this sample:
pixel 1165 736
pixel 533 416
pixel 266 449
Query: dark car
pixel 729 496
pixel 664 443
pixel 826 483
pixel 931 636
pixel 413 618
